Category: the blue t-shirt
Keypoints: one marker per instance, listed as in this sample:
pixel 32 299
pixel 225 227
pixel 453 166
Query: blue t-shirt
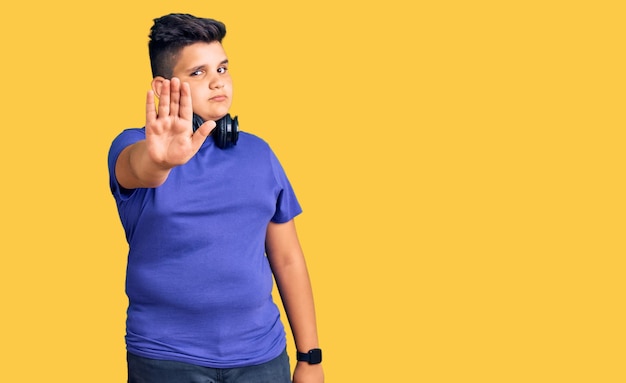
pixel 198 281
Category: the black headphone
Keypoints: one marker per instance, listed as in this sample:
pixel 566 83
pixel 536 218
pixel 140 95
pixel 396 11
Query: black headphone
pixel 225 133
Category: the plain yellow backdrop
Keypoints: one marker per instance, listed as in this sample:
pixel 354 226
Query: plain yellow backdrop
pixel 460 165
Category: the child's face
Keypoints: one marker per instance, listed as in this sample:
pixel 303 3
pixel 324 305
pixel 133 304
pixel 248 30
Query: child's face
pixel 205 67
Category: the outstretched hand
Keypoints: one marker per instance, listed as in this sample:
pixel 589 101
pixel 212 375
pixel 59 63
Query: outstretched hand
pixel 169 128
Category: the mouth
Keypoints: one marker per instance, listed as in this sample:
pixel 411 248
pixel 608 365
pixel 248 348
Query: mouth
pixel 218 98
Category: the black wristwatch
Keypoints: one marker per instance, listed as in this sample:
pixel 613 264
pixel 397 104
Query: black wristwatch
pixel 314 356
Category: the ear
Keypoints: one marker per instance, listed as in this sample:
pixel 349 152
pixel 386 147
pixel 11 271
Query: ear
pixel 157 85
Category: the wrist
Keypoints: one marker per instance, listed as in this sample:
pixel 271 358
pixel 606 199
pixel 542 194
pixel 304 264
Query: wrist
pixel 312 356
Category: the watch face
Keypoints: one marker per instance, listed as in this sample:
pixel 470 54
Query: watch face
pixel 315 356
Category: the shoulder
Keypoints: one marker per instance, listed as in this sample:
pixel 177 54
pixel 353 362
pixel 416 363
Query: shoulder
pixel 127 137
pixel 253 145
pixel 130 134
pixel 252 139
pixel 122 140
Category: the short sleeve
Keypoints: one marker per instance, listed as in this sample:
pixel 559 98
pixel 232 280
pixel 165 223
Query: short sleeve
pixel 287 205
pixel 124 139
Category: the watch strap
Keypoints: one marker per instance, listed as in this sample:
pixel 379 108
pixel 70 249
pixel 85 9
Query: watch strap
pixel 313 356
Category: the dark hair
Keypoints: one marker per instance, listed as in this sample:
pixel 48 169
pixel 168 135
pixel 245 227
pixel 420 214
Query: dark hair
pixel 173 32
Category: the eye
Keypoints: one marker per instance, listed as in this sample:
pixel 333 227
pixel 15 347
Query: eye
pixel 222 70
pixel 196 73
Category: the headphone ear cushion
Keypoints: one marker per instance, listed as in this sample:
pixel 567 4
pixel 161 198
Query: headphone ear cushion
pixel 197 122
pixel 235 130
pixel 226 132
pixel 219 132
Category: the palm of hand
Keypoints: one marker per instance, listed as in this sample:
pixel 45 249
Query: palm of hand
pixel 169 133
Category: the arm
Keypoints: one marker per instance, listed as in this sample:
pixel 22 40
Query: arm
pixel 169 142
pixel 289 267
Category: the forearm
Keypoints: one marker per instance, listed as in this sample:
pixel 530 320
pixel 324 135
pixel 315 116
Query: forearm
pixel 296 293
pixel 292 278
pixel 136 169
pixel 297 296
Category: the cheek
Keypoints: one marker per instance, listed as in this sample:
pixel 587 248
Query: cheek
pixel 197 97
pixel 228 85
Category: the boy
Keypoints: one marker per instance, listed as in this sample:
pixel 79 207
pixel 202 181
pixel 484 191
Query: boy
pixel 207 227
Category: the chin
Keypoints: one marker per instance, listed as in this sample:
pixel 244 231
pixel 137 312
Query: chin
pixel 211 116
pixel 216 114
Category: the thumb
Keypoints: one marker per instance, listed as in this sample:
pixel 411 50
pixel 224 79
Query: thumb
pixel 202 132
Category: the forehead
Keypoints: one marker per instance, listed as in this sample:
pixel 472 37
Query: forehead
pixel 197 54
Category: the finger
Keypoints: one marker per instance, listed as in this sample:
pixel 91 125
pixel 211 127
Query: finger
pixel 164 100
pixel 150 108
pixel 174 96
pixel 186 109
pixel 202 133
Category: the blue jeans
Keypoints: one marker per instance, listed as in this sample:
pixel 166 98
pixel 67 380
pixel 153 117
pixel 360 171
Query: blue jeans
pixel 144 370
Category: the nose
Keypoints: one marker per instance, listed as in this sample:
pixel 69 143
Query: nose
pixel 216 82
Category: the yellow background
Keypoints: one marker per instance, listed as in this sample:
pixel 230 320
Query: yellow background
pixel 460 164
